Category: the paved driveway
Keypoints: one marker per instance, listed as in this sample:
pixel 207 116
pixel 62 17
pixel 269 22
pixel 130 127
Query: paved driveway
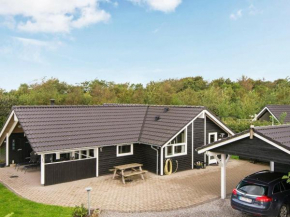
pixel 156 193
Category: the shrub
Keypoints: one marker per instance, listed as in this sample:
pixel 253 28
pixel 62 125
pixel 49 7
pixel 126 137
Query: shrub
pixel 80 211
pixel 96 213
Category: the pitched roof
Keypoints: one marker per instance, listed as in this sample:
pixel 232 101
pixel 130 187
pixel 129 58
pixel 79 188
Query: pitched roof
pixel 277 110
pixel 50 128
pixel 280 135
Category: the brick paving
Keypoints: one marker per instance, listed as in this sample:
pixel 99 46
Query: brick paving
pixel 155 193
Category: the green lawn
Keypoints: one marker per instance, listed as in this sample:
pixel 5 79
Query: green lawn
pixel 11 203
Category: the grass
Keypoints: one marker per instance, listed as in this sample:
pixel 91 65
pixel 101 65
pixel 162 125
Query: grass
pixel 12 205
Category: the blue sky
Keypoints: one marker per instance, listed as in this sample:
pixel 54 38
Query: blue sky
pixel 142 40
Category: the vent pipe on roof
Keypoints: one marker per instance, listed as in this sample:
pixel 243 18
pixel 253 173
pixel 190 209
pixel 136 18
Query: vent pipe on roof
pixel 252 131
pixel 157 118
pixel 52 101
pixel 166 109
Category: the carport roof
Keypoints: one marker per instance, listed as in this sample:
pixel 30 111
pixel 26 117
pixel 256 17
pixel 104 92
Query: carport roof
pixel 280 135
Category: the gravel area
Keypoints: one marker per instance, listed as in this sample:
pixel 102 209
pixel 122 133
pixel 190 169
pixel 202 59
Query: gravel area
pixel 215 208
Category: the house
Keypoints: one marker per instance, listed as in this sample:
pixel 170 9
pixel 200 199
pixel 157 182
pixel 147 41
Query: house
pixel 270 144
pixel 275 111
pixel 76 142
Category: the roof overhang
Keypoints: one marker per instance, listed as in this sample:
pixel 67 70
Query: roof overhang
pixel 211 147
pixel 8 127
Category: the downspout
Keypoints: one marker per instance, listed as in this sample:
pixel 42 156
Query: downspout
pixel 156 149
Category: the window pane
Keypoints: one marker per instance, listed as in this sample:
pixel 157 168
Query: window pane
pixel 276 188
pixel 92 153
pixel 84 154
pixel 251 188
pixel 169 150
pixel 180 138
pixel 179 149
pixel 124 149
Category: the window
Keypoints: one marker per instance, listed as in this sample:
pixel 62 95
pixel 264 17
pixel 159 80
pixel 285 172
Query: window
pixel 253 189
pixel 286 185
pixel 177 146
pixel 212 137
pixel 124 150
pixel 276 188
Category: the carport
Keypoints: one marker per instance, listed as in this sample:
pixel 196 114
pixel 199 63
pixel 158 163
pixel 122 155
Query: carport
pixel 270 144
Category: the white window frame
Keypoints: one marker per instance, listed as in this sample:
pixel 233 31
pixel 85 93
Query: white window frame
pixel 125 154
pixel 177 144
pixel 215 137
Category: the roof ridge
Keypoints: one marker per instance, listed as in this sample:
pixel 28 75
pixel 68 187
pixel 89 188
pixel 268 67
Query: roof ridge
pixel 143 124
pixel 150 105
pixel 272 126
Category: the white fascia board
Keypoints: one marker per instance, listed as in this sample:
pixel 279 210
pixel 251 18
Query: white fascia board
pixel 263 110
pixel 223 143
pixel 7 122
pixel 272 143
pixel 219 123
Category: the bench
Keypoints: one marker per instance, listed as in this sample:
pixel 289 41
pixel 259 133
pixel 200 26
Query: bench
pixel 128 174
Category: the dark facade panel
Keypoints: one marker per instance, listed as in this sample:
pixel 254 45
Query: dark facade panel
pixel 19 148
pixel 198 138
pixel 70 171
pixel 255 149
pixel 265 116
pixel 142 154
pixel 183 162
pixel 212 127
pixel 282 168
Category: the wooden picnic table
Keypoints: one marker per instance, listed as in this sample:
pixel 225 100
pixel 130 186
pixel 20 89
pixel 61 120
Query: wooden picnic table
pixel 135 169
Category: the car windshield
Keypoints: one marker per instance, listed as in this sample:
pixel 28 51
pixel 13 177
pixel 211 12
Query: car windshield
pixel 252 188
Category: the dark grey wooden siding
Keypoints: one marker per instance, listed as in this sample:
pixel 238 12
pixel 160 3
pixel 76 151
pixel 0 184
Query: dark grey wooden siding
pixel 184 162
pixel 21 150
pixel 283 168
pixel 212 127
pixel 143 154
pixel 254 149
pixel 70 171
pixel 265 116
pixel 198 138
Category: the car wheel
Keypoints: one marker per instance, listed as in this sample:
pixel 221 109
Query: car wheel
pixel 283 211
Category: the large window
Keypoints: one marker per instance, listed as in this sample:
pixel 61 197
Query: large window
pixel 124 150
pixel 177 146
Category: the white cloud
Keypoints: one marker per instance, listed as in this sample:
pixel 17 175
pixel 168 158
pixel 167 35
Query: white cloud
pixel 159 5
pixel 253 10
pixel 237 15
pixel 52 15
pixel 27 49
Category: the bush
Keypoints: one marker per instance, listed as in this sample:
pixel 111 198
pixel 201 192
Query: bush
pixel 80 211
pixel 96 213
pixel 241 125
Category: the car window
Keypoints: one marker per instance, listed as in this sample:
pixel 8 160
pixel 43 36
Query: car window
pixel 252 188
pixel 276 189
pixel 286 185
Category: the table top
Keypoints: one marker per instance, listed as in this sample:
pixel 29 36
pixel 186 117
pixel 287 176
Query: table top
pixel 128 166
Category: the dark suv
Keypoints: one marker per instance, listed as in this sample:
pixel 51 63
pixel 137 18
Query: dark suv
pixel 263 193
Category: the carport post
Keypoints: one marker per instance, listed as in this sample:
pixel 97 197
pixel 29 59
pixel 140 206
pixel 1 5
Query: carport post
pixel 42 169
pixel 272 166
pixel 223 176
pixel 7 149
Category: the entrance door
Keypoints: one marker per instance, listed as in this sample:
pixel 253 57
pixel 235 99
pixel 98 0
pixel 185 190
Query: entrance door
pixel 20 148
pixel 212 137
